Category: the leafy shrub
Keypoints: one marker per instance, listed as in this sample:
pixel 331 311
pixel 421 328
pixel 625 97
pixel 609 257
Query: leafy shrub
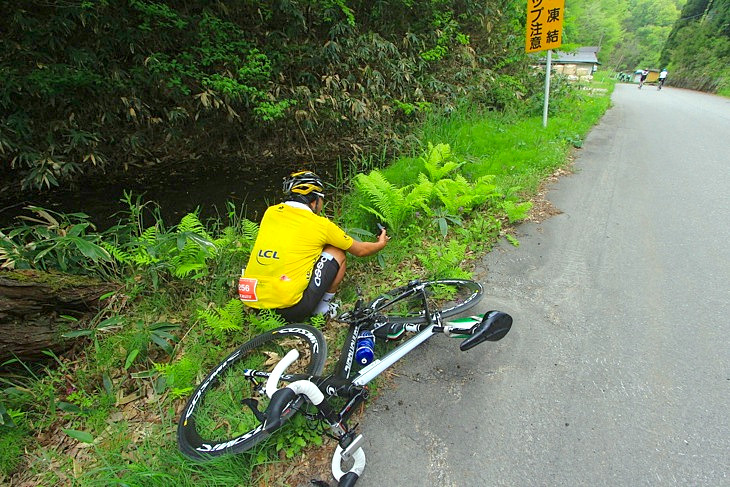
pixel 444 261
pixel 91 86
pixel 52 240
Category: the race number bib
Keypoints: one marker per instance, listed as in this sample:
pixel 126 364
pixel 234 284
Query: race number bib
pixel 247 289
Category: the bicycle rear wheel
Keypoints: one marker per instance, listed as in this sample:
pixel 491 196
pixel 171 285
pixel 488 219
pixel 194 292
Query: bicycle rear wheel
pixel 448 297
pixel 217 420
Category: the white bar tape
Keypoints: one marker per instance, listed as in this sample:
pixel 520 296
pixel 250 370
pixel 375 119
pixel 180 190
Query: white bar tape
pixel 272 384
pixel 300 387
pixel 307 388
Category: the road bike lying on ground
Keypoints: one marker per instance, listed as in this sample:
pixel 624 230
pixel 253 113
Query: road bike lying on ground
pixel 240 403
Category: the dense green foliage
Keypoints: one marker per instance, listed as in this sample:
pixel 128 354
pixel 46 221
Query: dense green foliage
pixel 689 37
pixel 106 416
pixel 631 33
pixel 698 48
pixel 100 85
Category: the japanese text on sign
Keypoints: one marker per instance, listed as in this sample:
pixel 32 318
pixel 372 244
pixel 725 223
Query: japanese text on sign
pixel 544 25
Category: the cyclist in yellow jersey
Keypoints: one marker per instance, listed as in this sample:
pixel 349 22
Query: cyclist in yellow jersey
pixel 298 260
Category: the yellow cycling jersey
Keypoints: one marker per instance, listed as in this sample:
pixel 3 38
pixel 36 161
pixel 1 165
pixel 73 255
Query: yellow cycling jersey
pixel 290 240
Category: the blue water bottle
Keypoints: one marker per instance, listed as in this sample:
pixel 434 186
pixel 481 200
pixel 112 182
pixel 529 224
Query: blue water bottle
pixel 365 347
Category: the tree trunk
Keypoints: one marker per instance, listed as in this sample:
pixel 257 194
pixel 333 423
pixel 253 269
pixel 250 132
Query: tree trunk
pixel 31 304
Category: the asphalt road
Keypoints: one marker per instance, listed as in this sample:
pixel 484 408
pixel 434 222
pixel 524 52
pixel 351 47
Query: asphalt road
pixel 617 370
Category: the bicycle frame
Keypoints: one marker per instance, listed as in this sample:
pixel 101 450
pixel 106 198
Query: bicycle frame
pixel 353 388
pixel 378 366
pixel 340 383
pixel 391 316
pixel 319 388
pixel 424 332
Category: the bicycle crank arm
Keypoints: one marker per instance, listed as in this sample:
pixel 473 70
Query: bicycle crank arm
pixel 494 326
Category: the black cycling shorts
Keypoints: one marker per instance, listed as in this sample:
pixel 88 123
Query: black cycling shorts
pixel 323 274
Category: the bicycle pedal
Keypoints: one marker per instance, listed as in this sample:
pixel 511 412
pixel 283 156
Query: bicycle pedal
pixel 354 445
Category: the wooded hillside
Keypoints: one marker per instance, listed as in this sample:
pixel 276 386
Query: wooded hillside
pixel 698 48
pixel 689 37
pixel 99 85
pixel 630 33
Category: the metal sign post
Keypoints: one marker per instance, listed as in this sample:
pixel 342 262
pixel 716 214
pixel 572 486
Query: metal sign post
pixel 548 69
pixel 544 32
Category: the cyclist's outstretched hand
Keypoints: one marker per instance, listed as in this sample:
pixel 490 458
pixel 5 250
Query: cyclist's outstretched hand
pixel 363 249
pixel 383 237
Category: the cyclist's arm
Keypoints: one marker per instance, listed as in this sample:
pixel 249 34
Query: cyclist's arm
pixel 363 249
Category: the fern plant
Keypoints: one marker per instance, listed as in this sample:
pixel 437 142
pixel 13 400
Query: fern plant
pixel 183 251
pixel 178 376
pixel 459 196
pixel 223 320
pixel 516 211
pixel 264 320
pixel 444 261
pixel 392 205
pixel 194 246
pixel 438 161
pixel 237 240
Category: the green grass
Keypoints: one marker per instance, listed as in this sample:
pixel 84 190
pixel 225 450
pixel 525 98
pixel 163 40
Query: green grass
pixel 134 442
pixel 12 443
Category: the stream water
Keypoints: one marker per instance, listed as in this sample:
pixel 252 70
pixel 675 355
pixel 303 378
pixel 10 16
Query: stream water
pixel 178 189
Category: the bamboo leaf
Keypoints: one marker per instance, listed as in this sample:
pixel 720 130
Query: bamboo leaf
pixel 77 333
pixel 81 436
pixel 109 322
pixel 162 343
pixel 130 358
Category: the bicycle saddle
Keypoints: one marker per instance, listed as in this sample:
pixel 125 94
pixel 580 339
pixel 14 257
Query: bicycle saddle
pixel 493 327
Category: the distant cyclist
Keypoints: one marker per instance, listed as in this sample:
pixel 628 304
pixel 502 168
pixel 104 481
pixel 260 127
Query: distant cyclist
pixel 298 259
pixel 662 78
pixel 644 74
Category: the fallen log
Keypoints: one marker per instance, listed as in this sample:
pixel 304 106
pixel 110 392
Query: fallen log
pixel 32 304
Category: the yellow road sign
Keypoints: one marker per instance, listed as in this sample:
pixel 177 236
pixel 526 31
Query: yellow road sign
pixel 544 25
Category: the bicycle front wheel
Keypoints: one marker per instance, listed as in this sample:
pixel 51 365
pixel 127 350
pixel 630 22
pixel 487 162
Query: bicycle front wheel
pixel 218 418
pixel 448 297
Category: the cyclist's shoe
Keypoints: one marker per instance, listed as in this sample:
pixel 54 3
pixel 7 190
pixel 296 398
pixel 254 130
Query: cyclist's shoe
pixel 332 311
pixel 327 310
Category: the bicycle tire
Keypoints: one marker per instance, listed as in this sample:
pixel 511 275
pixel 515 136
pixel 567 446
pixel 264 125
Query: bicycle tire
pixel 216 422
pixel 448 297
